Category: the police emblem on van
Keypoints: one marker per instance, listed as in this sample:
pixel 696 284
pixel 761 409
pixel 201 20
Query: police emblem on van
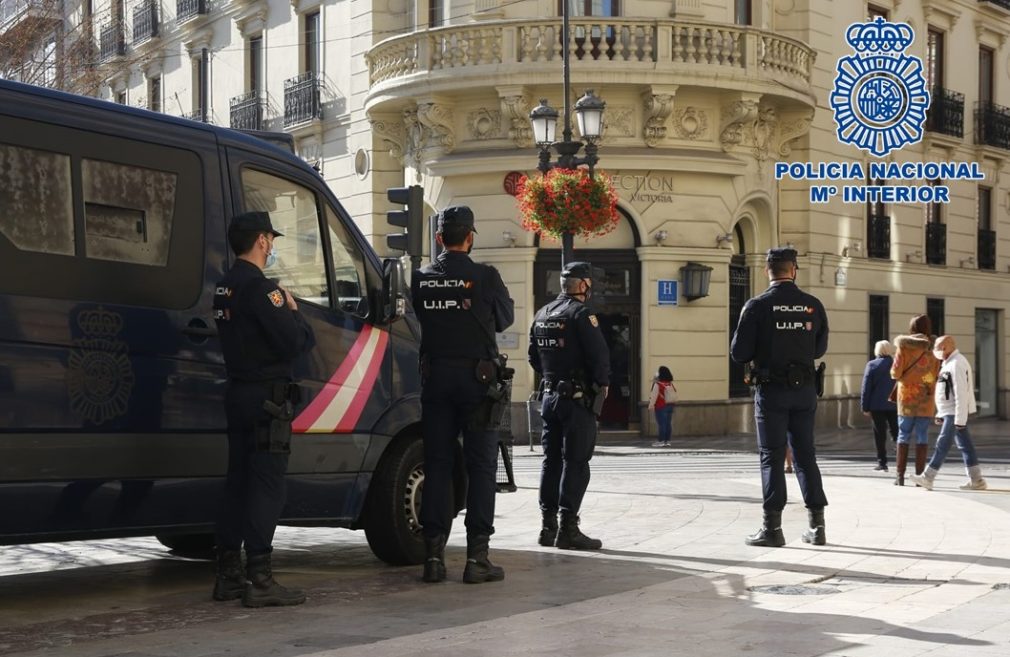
pixel 99 374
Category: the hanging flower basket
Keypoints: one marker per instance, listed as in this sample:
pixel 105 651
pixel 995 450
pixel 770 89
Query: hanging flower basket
pixel 568 200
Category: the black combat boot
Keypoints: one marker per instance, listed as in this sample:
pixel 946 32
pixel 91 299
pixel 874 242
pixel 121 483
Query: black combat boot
pixel 434 562
pixel 815 534
pixel 478 568
pixel 549 530
pixel 571 538
pixel 770 534
pixel 230 583
pixel 263 590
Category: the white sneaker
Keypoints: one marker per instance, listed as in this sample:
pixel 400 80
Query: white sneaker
pixel 921 480
pixel 974 484
pixel 658 444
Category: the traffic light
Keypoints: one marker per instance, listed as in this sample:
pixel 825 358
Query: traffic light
pixel 411 219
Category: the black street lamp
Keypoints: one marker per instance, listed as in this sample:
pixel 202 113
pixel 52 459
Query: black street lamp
pixel 589 113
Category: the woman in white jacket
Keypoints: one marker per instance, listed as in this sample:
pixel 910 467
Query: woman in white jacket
pixel 955 400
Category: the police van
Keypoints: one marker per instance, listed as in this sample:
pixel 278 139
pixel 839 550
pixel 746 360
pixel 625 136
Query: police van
pixel 112 236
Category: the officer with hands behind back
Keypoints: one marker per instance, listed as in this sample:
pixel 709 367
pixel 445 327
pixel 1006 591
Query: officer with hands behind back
pixel 460 304
pixel 781 332
pixel 261 333
pixel 568 350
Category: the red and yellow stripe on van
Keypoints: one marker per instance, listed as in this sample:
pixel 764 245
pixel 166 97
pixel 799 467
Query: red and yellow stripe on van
pixel 338 406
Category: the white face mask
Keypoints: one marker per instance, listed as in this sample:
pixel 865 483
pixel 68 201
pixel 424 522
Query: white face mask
pixel 271 258
pixel 939 354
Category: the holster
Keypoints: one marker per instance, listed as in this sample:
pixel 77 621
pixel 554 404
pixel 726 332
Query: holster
pixel 596 405
pixel 274 434
pixel 819 378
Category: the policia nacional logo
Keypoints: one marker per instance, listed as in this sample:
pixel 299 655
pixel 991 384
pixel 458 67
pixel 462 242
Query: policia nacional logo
pixel 880 98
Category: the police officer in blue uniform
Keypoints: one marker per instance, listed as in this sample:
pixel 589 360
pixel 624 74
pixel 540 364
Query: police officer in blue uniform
pixel 261 333
pixel 568 350
pixel 781 332
pixel 460 304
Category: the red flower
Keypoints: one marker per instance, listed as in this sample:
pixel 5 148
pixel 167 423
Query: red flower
pixel 567 200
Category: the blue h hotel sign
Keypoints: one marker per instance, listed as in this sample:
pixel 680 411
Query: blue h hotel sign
pixel 668 293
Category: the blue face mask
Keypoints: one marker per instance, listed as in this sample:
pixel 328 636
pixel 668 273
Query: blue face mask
pixel 271 260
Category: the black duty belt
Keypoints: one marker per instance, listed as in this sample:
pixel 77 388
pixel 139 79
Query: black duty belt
pixel 567 389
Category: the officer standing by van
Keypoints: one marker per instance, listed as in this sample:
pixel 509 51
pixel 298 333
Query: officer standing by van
pixel 261 333
pixel 781 332
pixel 460 304
pixel 568 350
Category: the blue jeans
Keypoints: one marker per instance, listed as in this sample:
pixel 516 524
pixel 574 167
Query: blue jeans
pixel 664 420
pixel 918 425
pixel 951 434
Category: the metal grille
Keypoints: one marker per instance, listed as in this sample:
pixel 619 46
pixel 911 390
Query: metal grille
pixel 946 112
pixel 992 124
pixel 986 249
pixel 145 22
pixel 501 428
pixel 186 9
pixel 247 111
pixel 111 42
pixel 301 99
pixel 878 238
pixel 936 243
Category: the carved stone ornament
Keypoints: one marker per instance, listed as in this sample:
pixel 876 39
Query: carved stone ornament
pixel 761 132
pixel 690 123
pixel 414 142
pixel 791 130
pixel 484 124
pixel 436 121
pixel 617 122
pixel 735 117
pixel 517 110
pixel 392 132
pixel 657 111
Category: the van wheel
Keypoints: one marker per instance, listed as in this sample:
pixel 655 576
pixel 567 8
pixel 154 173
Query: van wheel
pixel 393 515
pixel 192 546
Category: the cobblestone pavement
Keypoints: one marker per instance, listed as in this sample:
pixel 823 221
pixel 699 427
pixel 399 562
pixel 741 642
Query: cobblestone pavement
pixel 906 572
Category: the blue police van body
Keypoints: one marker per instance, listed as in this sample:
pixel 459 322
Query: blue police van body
pixel 112 236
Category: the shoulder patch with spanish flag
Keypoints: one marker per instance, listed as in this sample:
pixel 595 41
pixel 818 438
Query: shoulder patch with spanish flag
pixel 276 297
pixel 595 322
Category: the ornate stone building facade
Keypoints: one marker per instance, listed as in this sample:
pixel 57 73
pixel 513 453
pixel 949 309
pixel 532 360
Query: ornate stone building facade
pixel 703 98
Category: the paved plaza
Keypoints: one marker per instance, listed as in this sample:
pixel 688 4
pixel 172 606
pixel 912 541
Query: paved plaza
pixel 906 572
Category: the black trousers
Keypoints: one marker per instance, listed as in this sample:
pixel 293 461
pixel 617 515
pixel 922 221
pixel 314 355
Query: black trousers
pixel 786 416
pixel 450 394
pixel 254 486
pixel 568 439
pixel 882 422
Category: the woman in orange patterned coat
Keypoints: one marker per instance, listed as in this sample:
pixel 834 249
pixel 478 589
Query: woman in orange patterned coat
pixel 915 369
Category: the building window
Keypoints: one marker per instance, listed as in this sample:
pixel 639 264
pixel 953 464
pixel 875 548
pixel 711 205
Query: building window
pixel 154 94
pixel 873 11
pixel 936 232
pixel 201 87
pixel 592 7
pixel 985 59
pixel 121 97
pixel 742 12
pixel 878 227
pixel 879 320
pixel 256 82
pixel 313 40
pixel 986 235
pixel 934 59
pixel 436 13
pixel 934 310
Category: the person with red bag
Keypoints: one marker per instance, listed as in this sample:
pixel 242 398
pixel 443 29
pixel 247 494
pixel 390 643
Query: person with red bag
pixel 661 401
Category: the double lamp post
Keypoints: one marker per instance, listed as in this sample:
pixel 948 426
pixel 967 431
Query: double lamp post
pixel 589 113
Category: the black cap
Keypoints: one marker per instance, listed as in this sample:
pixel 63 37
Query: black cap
pixel 456 215
pixel 577 270
pixel 781 254
pixel 254 222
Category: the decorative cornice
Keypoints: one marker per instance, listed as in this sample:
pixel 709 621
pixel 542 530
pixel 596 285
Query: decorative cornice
pixel 438 135
pixel 516 108
pixel 735 116
pixel 792 129
pixel 658 104
pixel 390 129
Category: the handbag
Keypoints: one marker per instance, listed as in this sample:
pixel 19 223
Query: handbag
pixel 893 397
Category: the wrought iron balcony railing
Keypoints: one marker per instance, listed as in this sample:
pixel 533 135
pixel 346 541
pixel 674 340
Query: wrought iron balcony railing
pixel 187 9
pixel 986 249
pixel 112 42
pixel 992 124
pixel 1005 4
pixel 247 111
pixel 202 115
pixel 946 112
pixel 936 243
pixel 145 21
pixel 878 236
pixel 301 99
pixel 13 11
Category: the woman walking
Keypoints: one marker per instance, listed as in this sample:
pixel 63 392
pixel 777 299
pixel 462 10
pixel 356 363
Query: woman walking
pixel 915 368
pixel 873 398
pixel 661 400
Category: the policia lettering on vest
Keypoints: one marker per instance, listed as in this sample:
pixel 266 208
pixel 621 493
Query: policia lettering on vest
pixel 261 333
pixel 460 305
pixel 568 350
pixel 781 332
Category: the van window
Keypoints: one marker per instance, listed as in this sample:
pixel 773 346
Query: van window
pixel 300 268
pixel 127 212
pixel 348 268
pixel 36 200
